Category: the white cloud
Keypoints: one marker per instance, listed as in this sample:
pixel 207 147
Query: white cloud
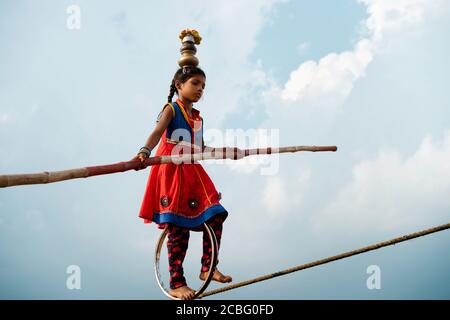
pixel 283 195
pixel 389 192
pixel 329 81
pixel 385 15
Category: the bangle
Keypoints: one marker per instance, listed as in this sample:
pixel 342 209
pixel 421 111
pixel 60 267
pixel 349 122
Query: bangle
pixel 145 150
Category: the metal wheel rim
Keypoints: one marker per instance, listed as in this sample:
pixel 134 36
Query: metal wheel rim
pixel 212 267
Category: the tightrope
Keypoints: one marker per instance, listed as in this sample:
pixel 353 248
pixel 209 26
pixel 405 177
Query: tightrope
pixel 329 259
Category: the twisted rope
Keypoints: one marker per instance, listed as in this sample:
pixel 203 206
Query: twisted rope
pixel 329 259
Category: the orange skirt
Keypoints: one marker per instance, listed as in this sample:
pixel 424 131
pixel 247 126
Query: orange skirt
pixel 182 194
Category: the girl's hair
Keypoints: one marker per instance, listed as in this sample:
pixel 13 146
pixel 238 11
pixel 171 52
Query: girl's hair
pixel 183 74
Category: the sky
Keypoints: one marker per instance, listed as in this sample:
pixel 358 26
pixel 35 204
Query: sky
pixel 368 76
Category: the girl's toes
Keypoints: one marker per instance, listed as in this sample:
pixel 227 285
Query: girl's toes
pixel 226 279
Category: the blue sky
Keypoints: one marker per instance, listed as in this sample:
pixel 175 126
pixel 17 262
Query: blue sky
pixel 369 76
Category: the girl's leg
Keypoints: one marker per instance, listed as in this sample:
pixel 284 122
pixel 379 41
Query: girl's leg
pixel 177 244
pixel 216 223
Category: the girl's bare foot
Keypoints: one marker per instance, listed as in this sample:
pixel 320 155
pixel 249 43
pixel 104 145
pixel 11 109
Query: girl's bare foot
pixel 217 276
pixel 184 293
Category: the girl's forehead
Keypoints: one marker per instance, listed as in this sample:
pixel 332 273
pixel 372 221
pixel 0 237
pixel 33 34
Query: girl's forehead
pixel 198 77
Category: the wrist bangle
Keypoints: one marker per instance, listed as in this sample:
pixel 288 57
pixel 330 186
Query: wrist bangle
pixel 145 150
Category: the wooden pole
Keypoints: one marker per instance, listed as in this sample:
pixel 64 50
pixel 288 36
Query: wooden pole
pixel 218 153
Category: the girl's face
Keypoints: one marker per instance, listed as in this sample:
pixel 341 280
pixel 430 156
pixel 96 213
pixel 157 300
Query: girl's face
pixel 192 89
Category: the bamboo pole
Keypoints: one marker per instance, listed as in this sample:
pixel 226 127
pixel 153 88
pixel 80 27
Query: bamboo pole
pixel 191 157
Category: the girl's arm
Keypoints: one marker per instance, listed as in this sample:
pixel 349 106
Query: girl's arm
pixel 155 136
pixel 161 125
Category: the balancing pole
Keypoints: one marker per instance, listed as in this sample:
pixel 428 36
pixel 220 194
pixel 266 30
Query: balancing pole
pixel 182 157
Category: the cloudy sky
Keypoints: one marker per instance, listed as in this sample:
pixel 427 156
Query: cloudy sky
pixel 369 76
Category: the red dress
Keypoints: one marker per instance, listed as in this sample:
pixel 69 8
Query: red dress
pixel 182 194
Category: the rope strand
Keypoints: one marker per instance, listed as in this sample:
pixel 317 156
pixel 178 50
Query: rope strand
pixel 329 259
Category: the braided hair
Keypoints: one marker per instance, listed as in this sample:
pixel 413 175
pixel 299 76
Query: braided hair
pixel 183 74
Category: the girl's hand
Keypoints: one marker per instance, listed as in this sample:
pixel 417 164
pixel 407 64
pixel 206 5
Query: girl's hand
pixel 141 157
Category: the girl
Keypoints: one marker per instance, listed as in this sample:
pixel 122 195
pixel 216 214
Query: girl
pixel 182 196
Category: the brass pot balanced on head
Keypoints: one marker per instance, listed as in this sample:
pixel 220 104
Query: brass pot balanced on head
pixel 189 38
